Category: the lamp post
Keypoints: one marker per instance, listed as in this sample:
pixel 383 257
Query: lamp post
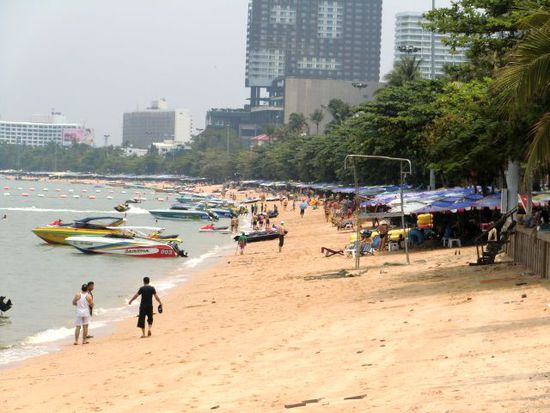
pixel 106 143
pixel 227 137
pixel 408 48
pixel 403 173
pixel 432 67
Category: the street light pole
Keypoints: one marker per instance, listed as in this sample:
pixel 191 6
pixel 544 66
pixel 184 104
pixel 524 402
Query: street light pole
pixel 432 68
pixel 227 137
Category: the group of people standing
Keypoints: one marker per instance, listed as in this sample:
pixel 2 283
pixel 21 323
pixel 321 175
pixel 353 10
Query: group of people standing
pixel 84 303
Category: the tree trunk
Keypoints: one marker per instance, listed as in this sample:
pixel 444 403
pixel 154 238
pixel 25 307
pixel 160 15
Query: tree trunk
pixel 512 183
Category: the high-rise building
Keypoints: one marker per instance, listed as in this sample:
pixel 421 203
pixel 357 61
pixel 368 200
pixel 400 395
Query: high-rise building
pixel 45 129
pixel 157 123
pixel 412 39
pixel 311 39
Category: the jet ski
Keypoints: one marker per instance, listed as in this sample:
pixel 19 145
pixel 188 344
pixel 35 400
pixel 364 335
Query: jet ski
pixel 212 228
pixel 122 207
pixel 256 236
pixel 5 306
pixel 119 244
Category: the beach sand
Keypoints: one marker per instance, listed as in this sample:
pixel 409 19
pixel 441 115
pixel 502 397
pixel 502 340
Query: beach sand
pixel 264 330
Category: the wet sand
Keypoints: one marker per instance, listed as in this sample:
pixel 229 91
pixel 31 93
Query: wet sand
pixel 264 330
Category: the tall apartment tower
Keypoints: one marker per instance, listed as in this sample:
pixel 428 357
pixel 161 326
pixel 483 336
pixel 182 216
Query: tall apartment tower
pixel 409 34
pixel 312 39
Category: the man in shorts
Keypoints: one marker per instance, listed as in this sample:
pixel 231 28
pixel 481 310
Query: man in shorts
pixel 83 302
pixel 91 286
pixel 147 293
pixel 281 231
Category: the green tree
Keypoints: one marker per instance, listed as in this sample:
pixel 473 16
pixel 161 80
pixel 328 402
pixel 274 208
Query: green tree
pixel 526 79
pixel 487 29
pixel 463 145
pixel 407 69
pixel 317 117
pixel 339 112
pixel 297 123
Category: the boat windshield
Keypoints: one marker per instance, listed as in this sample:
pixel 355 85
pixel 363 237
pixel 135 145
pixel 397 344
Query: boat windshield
pixel 99 222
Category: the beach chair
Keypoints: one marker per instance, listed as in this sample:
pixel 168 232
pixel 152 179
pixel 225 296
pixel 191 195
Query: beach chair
pixel 330 252
pixel 366 249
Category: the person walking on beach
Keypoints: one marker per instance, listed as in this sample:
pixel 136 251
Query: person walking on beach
pixel 303 207
pixel 83 302
pixel 282 233
pixel 147 293
pixel 91 286
pixel 242 242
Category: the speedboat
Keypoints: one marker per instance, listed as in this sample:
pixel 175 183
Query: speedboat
pixel 256 236
pixel 224 213
pixel 5 306
pixel 153 233
pixel 184 215
pixel 57 232
pixel 213 228
pixel 118 244
pixel 122 207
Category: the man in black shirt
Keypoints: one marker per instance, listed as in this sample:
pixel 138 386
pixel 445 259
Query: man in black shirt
pixel 147 293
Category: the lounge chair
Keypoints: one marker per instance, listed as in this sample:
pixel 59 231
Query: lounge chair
pixel 366 249
pixel 330 252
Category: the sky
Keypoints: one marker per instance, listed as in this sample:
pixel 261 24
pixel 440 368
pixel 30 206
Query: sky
pixel 93 60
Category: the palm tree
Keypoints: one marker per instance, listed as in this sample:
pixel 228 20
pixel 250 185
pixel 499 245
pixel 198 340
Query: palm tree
pixel 526 78
pixel 317 117
pixel 297 123
pixel 406 70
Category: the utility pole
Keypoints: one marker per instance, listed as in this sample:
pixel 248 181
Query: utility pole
pixel 432 70
pixel 106 144
pixel 227 137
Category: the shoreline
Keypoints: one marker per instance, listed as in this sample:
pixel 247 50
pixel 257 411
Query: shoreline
pixel 264 330
pixel 39 345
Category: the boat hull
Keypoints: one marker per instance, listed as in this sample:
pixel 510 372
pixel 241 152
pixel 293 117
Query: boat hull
pixel 123 247
pixel 59 235
pixel 181 215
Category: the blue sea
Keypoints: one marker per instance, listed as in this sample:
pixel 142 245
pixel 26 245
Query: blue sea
pixel 41 279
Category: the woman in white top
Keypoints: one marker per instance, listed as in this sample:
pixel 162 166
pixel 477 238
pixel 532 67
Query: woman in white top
pixel 83 302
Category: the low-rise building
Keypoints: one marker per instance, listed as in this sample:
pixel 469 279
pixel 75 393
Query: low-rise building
pixel 44 129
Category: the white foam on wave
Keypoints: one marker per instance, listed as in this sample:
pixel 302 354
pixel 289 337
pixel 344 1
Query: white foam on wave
pixel 34 209
pixel 56 334
pixel 136 210
pixel 132 210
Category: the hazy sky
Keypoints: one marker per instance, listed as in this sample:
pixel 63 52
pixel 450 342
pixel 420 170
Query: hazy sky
pixel 95 59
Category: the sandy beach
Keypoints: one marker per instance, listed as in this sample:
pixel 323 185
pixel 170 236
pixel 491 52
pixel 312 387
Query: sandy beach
pixel 262 331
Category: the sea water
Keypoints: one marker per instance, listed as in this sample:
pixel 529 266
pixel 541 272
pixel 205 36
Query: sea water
pixel 41 279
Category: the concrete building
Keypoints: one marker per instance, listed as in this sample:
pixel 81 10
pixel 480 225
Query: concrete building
pixel 157 123
pixel 313 39
pixel 43 129
pixel 297 95
pixel 410 33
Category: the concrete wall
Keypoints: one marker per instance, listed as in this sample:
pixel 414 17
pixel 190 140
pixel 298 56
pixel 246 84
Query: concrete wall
pixel 306 95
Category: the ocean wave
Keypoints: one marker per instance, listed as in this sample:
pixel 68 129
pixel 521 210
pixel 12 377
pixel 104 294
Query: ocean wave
pixel 34 209
pixel 132 210
pixel 48 340
pixel 56 334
